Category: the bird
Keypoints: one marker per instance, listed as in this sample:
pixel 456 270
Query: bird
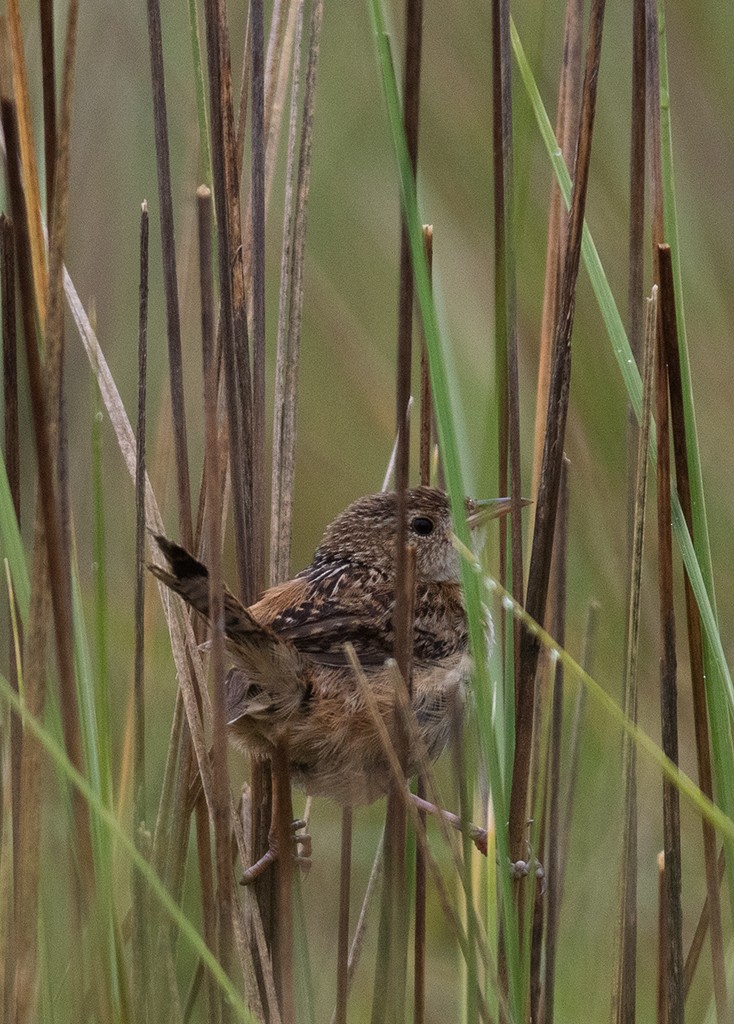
pixel 291 676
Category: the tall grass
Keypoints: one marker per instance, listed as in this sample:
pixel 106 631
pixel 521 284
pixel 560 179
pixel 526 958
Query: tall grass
pixel 118 891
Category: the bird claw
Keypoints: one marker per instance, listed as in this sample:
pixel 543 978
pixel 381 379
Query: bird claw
pixel 301 855
pixel 522 868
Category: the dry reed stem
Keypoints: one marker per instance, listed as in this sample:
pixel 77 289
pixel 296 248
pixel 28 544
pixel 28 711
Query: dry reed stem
pixel 233 318
pixel 636 249
pixel 551 859
pixel 360 929
pixel 53 368
pixel 12 467
pixel 277 73
pixel 654 154
pixel 624 992
pixel 426 420
pixel 141 950
pixel 342 943
pixel 284 940
pixel 695 639
pixel 26 879
pixel 661 1016
pixel 287 353
pixel 699 935
pixel 389 984
pixel 245 79
pixel 567 117
pixel 587 653
pixel 29 166
pixel 45 415
pixel 506 307
pixel 553 446
pixel 426 435
pixel 410 808
pixel 170 278
pixel 276 76
pixel 257 284
pixel 207 888
pixel 48 80
pixel 637 192
pixel 180 632
pixel 220 771
pixel 673 945
pixel 215 909
pixel 238 390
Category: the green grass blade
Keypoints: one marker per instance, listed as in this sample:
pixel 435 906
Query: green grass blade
pixel 200 93
pixel 12 545
pixel 626 363
pixel 109 822
pixel 719 713
pixel 722 822
pixel 446 422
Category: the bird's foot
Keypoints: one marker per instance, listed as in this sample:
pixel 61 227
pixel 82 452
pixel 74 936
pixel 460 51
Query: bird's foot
pixel 522 868
pixel 477 835
pixel 301 856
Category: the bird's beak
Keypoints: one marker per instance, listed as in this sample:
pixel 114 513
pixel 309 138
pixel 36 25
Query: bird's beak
pixel 491 508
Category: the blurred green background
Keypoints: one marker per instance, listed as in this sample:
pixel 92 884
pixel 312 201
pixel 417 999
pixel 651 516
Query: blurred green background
pixel 346 401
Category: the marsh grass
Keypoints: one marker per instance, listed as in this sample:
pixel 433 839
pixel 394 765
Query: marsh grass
pixel 118 888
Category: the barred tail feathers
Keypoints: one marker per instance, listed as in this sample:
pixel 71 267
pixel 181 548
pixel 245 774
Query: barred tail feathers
pixel 271 679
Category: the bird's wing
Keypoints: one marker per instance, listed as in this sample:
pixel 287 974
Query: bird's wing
pixel 274 674
pixel 324 608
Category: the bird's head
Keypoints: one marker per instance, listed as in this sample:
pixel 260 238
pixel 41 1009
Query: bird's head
pixel 366 531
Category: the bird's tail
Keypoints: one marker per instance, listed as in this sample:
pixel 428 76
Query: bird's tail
pixel 271 679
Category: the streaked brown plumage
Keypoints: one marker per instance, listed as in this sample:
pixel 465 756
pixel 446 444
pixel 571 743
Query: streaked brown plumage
pixel 291 672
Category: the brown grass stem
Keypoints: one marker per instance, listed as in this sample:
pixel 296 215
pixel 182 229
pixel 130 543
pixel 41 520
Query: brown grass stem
pixel 625 984
pixel 426 412
pixel 567 118
pixel 257 213
pixel 48 80
pixel 290 304
pixel 560 380
pixel 654 153
pixel 342 945
pixel 699 935
pixel 283 818
pixel 208 905
pixel 26 878
pixel 673 948
pixel 506 305
pixel 11 449
pixel 27 153
pixel 636 249
pixel 141 951
pixel 636 252
pixel 45 416
pixel 244 97
pixel 551 854
pixel 277 72
pixel 389 987
pixel 695 638
pixel 425 449
pixel 410 808
pixel 360 929
pixel 574 744
pixel 233 314
pixel 170 277
pixel 661 1016
pixel 220 771
pixel 238 388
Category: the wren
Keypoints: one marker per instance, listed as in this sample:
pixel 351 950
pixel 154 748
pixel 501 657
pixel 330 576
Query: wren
pixel 291 677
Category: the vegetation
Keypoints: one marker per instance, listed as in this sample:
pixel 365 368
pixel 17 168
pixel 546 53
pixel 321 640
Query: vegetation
pixel 233 339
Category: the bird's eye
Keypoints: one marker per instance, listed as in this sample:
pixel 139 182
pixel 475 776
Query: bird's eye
pixel 422 525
